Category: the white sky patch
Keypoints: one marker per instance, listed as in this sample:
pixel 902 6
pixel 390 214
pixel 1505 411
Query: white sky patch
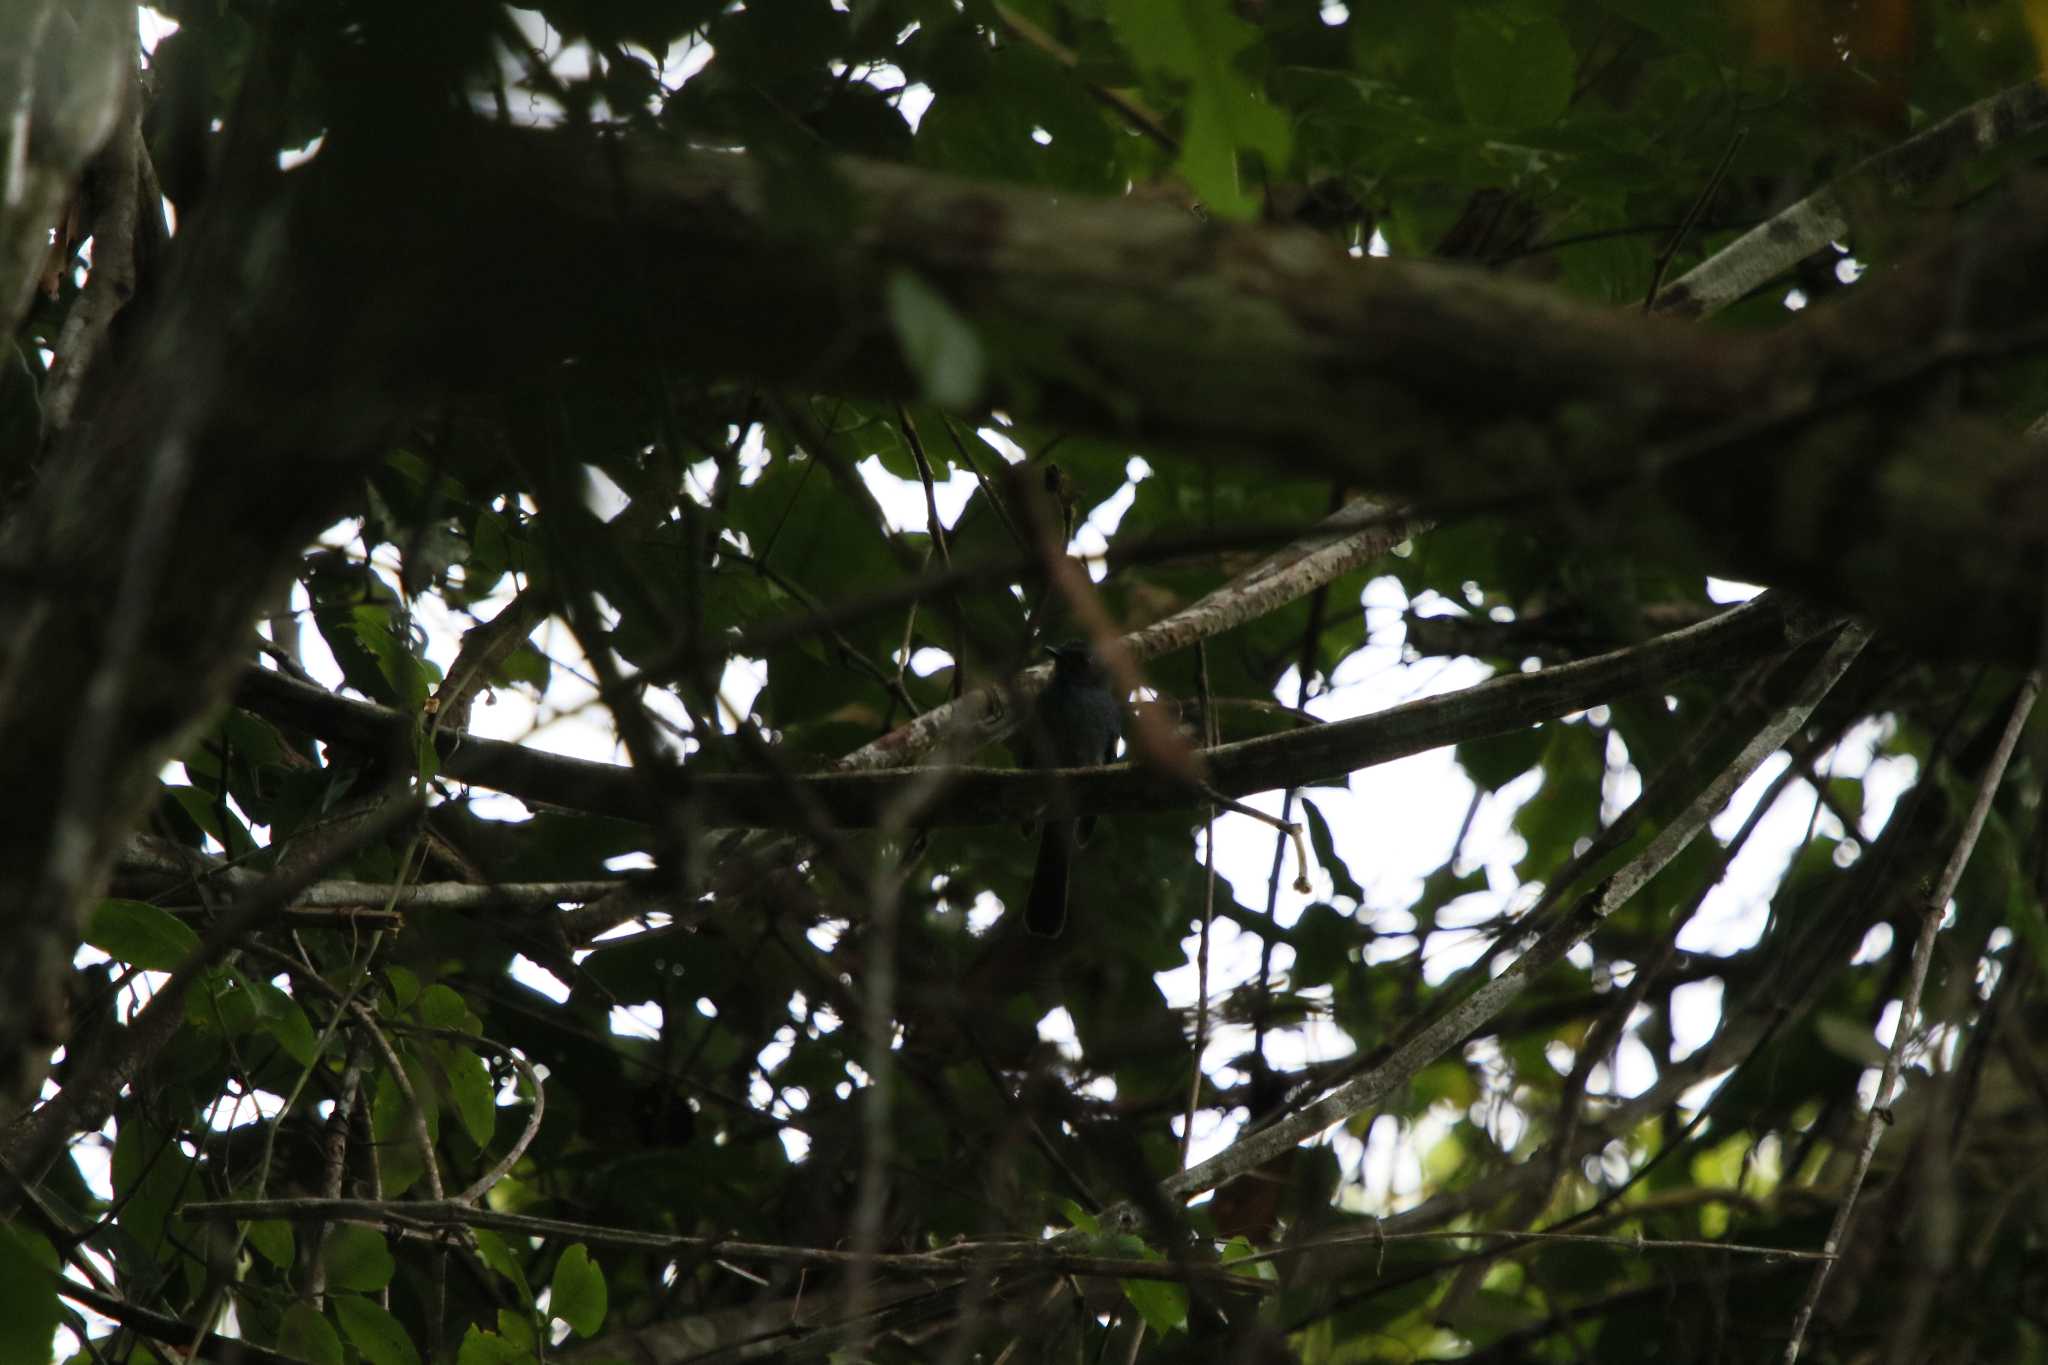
pixel 902 500
pixel 291 158
pixel 929 660
pixel 738 688
pixel 602 494
pixel 1730 590
pixel 537 978
pixel 1732 916
pixel 684 59
pixel 912 102
pixel 236 1108
pixel 1620 783
pixel 1695 1015
pixel 1877 941
pixel 568 61
pixel 984 914
pixel 1091 537
pixel 1057 1028
pixel 154 26
pixel 1001 442
pixel 656 919
pixel 643 1020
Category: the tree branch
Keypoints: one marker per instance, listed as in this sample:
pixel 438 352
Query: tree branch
pixel 956 1259
pixel 1430 1042
pixel 982 796
pixel 1932 911
pixel 1794 233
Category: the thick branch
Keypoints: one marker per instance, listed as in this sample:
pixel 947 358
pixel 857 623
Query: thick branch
pixel 1803 457
pixel 984 796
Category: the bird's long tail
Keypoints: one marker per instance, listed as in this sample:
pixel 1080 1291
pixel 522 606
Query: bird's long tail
pixel 1045 914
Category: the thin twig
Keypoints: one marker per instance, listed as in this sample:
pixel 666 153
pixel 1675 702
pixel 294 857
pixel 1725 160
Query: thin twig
pixel 1692 216
pixel 1931 914
pixel 1210 739
pixel 1375 1238
pixel 1432 1040
pixel 932 521
pixel 1140 118
pixel 86 1101
pixel 1795 233
pixel 956 1259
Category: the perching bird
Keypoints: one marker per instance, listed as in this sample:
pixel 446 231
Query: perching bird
pixel 1076 724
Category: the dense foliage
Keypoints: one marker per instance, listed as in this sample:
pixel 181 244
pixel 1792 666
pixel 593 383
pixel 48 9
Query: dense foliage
pixel 384 370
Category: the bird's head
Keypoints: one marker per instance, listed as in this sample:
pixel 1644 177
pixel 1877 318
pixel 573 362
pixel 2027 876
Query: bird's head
pixel 1074 661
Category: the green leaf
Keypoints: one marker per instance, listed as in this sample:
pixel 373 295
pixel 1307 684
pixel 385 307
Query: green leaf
pixel 373 1331
pixel 357 1258
pixel 498 1256
pixel 522 1329
pixel 152 1175
pixel 220 999
pixel 141 935
pixel 405 985
pixel 281 1017
pixel 577 1294
pixel 1512 67
pixel 1197 43
pixel 471 1091
pixel 942 348
pixel 1237 1253
pixel 308 1336
pixel 28 1296
pixel 399 1161
pixel 488 1348
pixel 273 1238
pixel 377 629
pixel 443 1007
pixel 1162 1303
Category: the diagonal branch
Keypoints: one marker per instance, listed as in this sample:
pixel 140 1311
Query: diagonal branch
pixel 1794 233
pixel 1931 915
pixel 1309 563
pixel 1455 1023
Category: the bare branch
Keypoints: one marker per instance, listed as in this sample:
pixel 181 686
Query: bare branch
pixel 1431 1041
pixel 1932 912
pixel 1793 234
pixel 957 1259
pixel 981 796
